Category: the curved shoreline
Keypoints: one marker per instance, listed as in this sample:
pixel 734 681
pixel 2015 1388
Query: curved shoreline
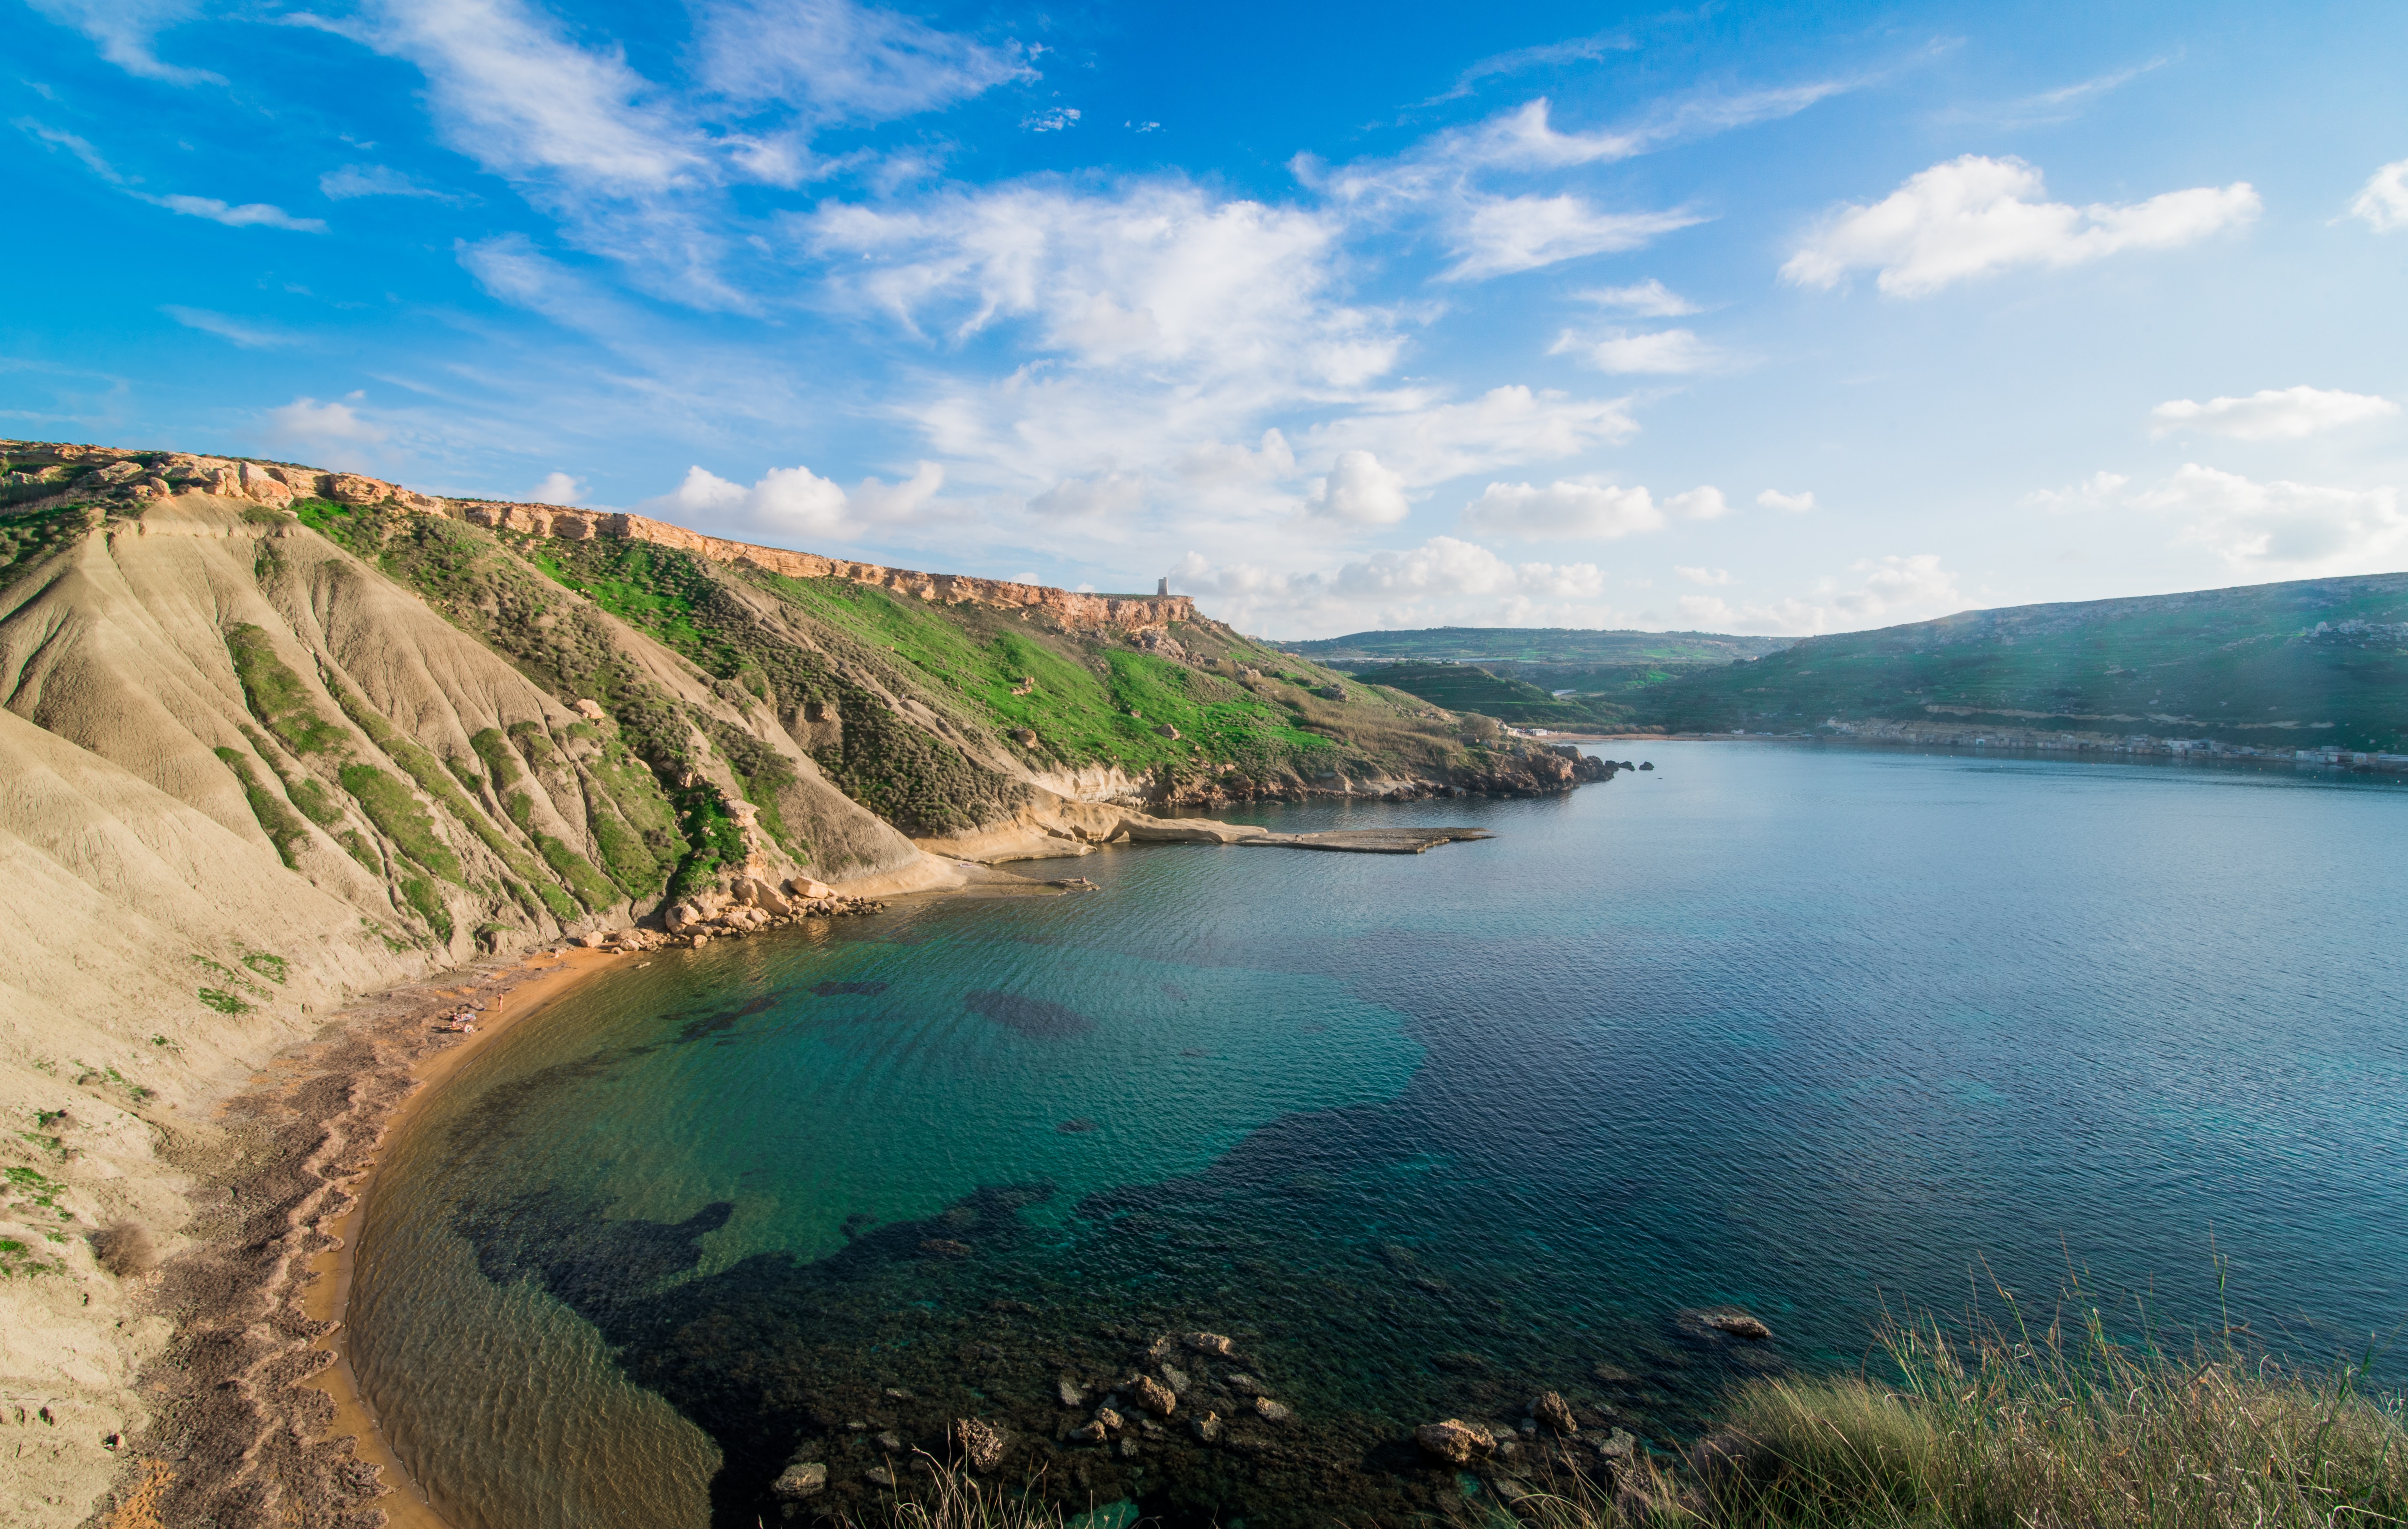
pixel 327 1285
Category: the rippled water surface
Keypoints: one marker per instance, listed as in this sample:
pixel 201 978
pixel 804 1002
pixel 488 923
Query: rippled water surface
pixel 1796 1030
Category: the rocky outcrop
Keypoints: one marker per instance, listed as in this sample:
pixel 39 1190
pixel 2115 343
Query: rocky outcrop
pixel 1061 607
pixel 1455 1441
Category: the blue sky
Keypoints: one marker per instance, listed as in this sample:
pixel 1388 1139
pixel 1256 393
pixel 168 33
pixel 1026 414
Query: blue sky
pixel 1755 319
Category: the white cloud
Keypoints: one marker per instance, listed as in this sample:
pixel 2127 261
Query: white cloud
pixel 1793 504
pixel 1888 590
pixel 1501 235
pixel 1564 508
pixel 248 215
pixel 1975 216
pixel 790 502
pixel 840 62
pixel 560 489
pixel 1703 576
pixel 352 180
pixel 1648 299
pixel 2288 530
pixel 1705 502
pixel 1667 351
pixel 2383 202
pixel 2097 492
pixel 2272 414
pixel 1360 491
pixel 1116 494
pixel 1503 427
pixel 127 31
pixel 1052 120
pixel 250 336
pixel 1443 580
pixel 333 432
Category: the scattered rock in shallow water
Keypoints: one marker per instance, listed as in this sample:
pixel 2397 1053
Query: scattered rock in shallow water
pixel 1611 1375
pixel 1153 1396
pixel 1092 1432
pixel 1176 1379
pixel 1208 1428
pixel 1271 1411
pixel 803 1478
pixel 1739 1324
pixel 896 1393
pixel 1110 1419
pixel 1076 1128
pixel 1127 1447
pixel 1072 1392
pixel 890 1442
pixel 1617 1447
pixel 1455 1441
pixel 1556 1413
pixel 1245 1385
pixel 878 1476
pixel 838 990
pixel 1212 1343
pixel 1035 1018
pixel 944 1248
pixel 983 1443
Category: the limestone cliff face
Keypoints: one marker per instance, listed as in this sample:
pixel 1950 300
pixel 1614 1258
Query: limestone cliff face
pixel 1065 608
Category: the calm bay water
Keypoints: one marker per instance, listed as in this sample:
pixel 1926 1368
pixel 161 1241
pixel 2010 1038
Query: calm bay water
pixel 1801 1030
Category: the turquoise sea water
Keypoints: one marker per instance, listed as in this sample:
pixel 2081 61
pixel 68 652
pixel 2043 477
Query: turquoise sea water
pixel 1809 1031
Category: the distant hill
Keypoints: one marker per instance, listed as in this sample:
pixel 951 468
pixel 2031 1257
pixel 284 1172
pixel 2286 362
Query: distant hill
pixel 1468 687
pixel 1569 647
pixel 2309 664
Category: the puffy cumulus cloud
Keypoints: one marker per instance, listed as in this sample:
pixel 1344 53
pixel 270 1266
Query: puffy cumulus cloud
pixel 1585 508
pixel 561 489
pixel 1973 216
pixel 798 502
pixel 1788 504
pixel 1667 351
pixel 2382 204
pixel 1648 299
pixel 1444 580
pixel 1360 491
pixel 2293 530
pixel 1703 576
pixel 2271 413
pixel 1884 592
pixel 334 433
pixel 128 33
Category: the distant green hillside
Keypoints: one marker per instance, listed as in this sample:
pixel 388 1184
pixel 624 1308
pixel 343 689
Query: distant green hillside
pixel 2302 665
pixel 1530 645
pixel 1468 687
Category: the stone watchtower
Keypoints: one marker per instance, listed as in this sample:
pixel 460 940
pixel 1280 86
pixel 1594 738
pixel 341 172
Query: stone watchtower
pixel 1162 586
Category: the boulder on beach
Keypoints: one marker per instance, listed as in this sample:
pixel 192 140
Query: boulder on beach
pixel 1455 1441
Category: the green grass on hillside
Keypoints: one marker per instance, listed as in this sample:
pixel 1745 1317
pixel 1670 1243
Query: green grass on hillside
pixel 1531 645
pixel 1468 687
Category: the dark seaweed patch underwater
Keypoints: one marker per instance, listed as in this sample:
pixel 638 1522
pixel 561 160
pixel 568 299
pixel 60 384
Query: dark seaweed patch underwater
pixel 1422 1135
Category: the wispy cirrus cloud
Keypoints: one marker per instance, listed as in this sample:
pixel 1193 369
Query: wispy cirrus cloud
pixel 126 32
pixel 233 215
pixel 241 332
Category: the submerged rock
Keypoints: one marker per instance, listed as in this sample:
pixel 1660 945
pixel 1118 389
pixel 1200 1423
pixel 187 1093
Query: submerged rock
pixel 1207 1427
pixel 1556 1413
pixel 1271 1411
pixel 1739 1324
pixel 1176 1379
pixel 803 1478
pixel 1245 1385
pixel 1072 1392
pixel 1110 1419
pixel 1455 1441
pixel 1153 1396
pixel 1212 1343
pixel 1617 1448
pixel 1092 1432
pixel 878 1476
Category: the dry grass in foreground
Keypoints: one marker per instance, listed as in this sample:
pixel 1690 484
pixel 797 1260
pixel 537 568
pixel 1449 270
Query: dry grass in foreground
pixel 2023 1431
